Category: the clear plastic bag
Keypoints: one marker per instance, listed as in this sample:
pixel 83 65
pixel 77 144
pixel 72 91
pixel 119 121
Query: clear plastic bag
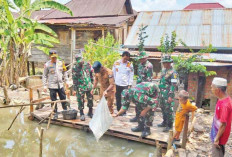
pixel 101 120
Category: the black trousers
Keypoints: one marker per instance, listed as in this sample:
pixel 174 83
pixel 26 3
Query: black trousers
pixel 61 93
pixel 119 90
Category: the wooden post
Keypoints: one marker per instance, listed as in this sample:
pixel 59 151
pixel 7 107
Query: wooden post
pixel 73 45
pixel 7 99
pixel 158 149
pixel 31 99
pixel 41 141
pixel 185 133
pixel 170 138
pixel 103 33
pixel 28 68
pixel 33 68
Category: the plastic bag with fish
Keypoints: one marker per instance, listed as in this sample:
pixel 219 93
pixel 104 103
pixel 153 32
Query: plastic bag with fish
pixel 101 120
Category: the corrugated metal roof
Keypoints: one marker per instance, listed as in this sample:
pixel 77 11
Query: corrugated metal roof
pixel 201 6
pixel 213 64
pixel 197 28
pixel 89 8
pixel 37 15
pixel 96 21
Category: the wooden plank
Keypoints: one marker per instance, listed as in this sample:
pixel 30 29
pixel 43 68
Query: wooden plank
pixel 121 126
pixel 41 99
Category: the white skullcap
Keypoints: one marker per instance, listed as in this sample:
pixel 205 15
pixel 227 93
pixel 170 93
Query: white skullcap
pixel 218 81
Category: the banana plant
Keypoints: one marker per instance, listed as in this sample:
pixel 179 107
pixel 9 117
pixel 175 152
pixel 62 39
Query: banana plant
pixel 19 35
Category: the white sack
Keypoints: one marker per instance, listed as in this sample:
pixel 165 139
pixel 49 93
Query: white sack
pixel 101 120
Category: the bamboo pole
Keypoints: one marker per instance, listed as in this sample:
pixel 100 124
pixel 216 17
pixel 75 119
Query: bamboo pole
pixel 185 133
pixel 31 99
pixel 21 109
pixel 158 149
pixel 49 121
pixel 9 106
pixel 41 141
pixel 6 95
pixel 170 138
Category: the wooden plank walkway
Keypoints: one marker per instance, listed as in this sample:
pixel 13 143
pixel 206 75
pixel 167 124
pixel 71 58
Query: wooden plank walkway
pixel 121 127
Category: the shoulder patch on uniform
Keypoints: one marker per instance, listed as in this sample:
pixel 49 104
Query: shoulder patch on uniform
pixel 128 64
pixel 117 63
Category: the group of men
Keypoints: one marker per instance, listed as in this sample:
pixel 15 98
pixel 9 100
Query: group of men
pixel 117 82
pixel 146 95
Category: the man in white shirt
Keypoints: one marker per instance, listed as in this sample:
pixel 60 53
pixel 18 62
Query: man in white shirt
pixel 123 74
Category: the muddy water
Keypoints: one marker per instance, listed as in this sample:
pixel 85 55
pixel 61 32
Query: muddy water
pixel 22 141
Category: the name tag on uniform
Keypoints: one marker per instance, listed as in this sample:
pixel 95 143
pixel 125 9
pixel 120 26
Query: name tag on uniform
pixel 174 80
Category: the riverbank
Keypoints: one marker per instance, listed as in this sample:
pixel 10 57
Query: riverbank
pixel 199 140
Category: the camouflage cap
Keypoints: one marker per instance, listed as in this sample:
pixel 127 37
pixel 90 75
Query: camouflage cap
pixel 166 59
pixel 142 55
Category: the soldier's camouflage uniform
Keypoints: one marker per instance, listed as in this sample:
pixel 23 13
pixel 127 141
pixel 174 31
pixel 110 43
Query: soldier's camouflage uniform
pixel 142 95
pixel 167 89
pixel 145 72
pixel 82 81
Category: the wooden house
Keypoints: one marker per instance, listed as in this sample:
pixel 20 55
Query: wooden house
pixel 91 19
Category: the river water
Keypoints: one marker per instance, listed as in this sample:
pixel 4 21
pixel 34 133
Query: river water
pixel 23 141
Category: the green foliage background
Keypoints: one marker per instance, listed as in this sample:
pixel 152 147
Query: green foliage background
pixel 104 51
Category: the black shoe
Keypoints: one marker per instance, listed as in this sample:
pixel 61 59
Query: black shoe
pixel 135 119
pixel 146 132
pixel 55 116
pixel 90 113
pixel 163 124
pixel 82 117
pixel 166 129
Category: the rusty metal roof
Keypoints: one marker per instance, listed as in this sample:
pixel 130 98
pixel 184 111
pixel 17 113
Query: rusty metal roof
pixel 200 6
pixel 114 21
pixel 197 28
pixel 37 15
pixel 90 8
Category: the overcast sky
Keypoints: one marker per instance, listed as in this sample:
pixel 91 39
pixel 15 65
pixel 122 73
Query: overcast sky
pixel 148 5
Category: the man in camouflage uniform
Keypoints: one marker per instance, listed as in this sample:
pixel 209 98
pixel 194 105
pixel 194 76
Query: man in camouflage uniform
pixel 82 81
pixel 145 69
pixel 167 85
pixel 105 77
pixel 145 73
pixel 144 95
pixel 54 72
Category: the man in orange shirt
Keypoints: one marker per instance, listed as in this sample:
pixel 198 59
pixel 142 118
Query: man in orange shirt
pixel 105 77
pixel 184 107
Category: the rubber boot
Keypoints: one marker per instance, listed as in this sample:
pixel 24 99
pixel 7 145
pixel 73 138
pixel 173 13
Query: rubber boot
pixel 146 132
pixel 163 124
pixel 82 115
pixel 135 119
pixel 90 113
pixel 140 127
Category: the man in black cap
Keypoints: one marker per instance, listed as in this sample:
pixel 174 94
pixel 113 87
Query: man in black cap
pixel 106 79
pixel 54 70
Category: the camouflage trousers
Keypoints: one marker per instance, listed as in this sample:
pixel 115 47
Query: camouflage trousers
pixel 128 96
pixel 81 99
pixel 167 111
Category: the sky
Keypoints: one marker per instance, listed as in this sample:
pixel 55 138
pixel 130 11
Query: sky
pixel 150 5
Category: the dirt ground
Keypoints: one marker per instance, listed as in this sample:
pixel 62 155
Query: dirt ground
pixel 199 143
